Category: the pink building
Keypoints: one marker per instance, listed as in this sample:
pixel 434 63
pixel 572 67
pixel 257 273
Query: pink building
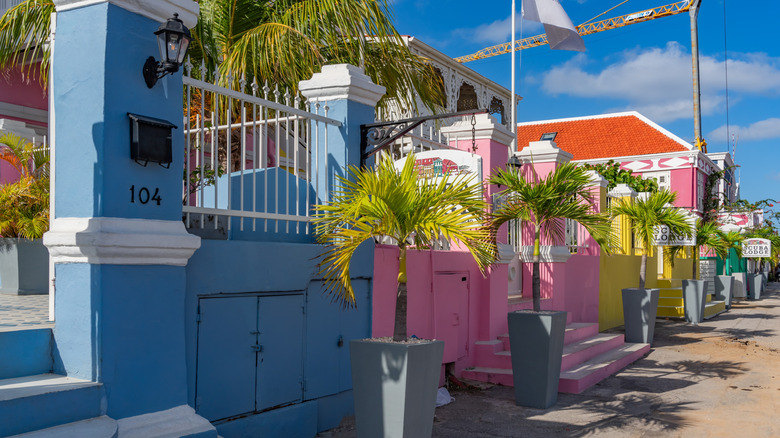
pixel 639 145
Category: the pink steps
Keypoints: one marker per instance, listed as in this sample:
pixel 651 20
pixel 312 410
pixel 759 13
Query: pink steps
pixel 588 358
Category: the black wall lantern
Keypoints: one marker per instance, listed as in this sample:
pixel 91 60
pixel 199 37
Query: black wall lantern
pixel 514 163
pixel 173 39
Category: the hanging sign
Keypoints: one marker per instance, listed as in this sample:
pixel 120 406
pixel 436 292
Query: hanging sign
pixel 662 237
pixel 756 248
pixel 436 164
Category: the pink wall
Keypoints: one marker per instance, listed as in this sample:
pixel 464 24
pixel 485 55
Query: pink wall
pixel 683 182
pixel 440 304
pixel 19 89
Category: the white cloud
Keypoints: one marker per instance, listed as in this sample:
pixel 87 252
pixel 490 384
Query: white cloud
pixel 658 81
pixel 761 130
pixel 499 31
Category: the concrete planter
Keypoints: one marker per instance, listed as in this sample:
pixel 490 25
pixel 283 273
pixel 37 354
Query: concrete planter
pixel 24 267
pixel 536 343
pixel 394 387
pixel 694 299
pixel 755 286
pixel 724 285
pixel 640 307
pixel 740 285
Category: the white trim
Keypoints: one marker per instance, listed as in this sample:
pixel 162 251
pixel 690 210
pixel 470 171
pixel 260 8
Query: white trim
pixel 120 241
pixel 342 81
pixel 506 253
pixel 543 152
pixel 622 191
pixel 654 125
pixel 24 112
pixel 486 128
pixel 597 179
pixel 547 254
pixel 158 10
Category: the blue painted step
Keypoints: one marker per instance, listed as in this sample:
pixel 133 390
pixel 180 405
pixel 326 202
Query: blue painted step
pixel 46 400
pixel 25 352
pixel 99 427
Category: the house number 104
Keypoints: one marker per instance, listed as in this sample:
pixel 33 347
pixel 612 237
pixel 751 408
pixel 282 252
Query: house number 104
pixel 144 195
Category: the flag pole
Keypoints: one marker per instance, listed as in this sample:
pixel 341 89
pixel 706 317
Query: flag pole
pixel 513 113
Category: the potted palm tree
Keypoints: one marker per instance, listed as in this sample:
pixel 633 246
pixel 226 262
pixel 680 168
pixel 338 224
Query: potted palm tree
pixel 24 217
pixel 536 337
pixel 695 290
pixel 395 380
pixel 640 305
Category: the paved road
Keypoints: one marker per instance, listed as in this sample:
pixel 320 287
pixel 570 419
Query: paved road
pixel 720 378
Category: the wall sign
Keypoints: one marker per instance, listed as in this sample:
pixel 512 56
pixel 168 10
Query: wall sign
pixel 756 248
pixel 662 237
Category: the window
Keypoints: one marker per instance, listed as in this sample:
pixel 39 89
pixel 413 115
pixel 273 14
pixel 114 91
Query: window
pixel 572 235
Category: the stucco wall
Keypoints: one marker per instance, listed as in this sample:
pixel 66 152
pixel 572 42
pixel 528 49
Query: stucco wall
pixel 240 269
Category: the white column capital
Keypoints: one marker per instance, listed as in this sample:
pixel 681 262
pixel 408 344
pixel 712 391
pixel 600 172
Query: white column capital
pixel 543 152
pixel 158 10
pixel 622 191
pixel 597 179
pixel 342 81
pixel 486 127
pixel 120 241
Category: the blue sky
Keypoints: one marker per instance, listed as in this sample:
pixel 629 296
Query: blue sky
pixel 645 67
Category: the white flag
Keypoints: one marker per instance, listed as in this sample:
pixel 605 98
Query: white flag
pixel 561 33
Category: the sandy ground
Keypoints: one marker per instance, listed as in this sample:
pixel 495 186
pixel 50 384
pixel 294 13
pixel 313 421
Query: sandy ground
pixel 718 379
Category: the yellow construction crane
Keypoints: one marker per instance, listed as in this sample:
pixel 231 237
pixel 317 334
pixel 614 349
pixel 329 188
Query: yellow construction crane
pixel 691 6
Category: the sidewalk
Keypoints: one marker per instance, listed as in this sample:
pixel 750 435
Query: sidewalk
pixel 720 378
pixel 18 312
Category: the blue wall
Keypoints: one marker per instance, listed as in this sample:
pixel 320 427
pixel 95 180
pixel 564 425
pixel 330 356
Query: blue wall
pixel 269 279
pixel 97 82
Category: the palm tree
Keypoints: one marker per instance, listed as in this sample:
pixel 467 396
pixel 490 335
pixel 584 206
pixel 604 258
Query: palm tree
pixel 24 204
pixel 563 194
pixel 386 203
pixel 24 31
pixel 731 239
pixel 286 41
pixel 278 41
pixel 706 234
pixel 648 213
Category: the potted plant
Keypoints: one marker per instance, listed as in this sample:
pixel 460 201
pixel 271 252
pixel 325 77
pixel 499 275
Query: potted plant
pixel 395 380
pixel 640 305
pixel 724 283
pixel 536 337
pixel 24 217
pixel 695 290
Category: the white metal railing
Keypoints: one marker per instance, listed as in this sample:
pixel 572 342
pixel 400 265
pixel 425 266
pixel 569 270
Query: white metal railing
pixel 250 157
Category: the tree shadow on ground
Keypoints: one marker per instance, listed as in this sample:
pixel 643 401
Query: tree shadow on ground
pixel 721 369
pixel 732 316
pixel 738 334
pixel 640 411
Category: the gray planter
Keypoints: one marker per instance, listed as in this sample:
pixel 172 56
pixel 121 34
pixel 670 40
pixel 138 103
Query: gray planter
pixel 394 387
pixel 694 299
pixel 640 307
pixel 755 282
pixel 24 267
pixel 724 285
pixel 536 344
pixel 740 285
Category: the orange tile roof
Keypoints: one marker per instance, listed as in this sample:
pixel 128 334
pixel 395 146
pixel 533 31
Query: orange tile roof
pixel 608 136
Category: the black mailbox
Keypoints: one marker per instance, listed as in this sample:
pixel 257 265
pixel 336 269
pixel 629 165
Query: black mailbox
pixel 150 140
